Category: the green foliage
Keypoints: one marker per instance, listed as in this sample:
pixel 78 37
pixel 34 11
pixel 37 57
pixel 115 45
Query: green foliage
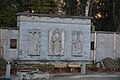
pixel 70 7
pixel 9 8
pixel 2 63
pixel 75 7
pixel 106 16
pixel 92 27
pixel 38 6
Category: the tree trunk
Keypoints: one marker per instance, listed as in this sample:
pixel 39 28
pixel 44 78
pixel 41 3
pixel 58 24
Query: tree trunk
pixel 87 7
pixel 116 14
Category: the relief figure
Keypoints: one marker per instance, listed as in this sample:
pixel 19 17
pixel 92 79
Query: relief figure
pixel 56 38
pixel 56 41
pixel 76 43
pixel 34 42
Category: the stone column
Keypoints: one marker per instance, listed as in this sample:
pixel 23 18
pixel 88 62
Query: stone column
pixel 8 71
pixel 83 68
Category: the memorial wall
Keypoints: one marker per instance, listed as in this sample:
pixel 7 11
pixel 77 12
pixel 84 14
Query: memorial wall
pixel 53 38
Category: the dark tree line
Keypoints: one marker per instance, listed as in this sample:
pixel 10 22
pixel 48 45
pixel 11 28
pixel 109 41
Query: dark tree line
pixel 102 13
pixel 9 8
pixel 105 13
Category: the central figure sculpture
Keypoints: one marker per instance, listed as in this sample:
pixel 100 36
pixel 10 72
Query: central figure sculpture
pixel 56 38
pixel 56 41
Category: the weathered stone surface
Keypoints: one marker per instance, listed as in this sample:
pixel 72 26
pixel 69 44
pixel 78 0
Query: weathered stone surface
pixel 59 39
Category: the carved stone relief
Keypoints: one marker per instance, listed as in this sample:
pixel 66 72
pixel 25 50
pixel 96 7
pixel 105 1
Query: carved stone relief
pixel 34 42
pixel 77 38
pixel 56 41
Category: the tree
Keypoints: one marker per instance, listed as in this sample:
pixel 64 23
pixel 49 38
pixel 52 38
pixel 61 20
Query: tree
pixel 70 7
pixel 116 14
pixel 105 13
pixel 38 6
pixel 9 8
pixel 102 11
pixel 76 7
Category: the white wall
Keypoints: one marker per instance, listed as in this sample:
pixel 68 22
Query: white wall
pixel 8 53
pixel 107 45
pixel 44 24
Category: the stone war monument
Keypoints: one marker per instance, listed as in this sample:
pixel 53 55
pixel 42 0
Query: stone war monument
pixel 51 38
